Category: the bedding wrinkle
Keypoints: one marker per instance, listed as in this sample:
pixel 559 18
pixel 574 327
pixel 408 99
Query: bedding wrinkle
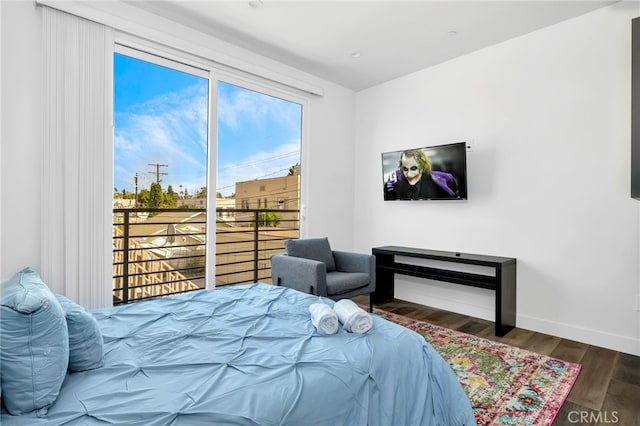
pixel 290 417
pixel 289 408
pixel 250 355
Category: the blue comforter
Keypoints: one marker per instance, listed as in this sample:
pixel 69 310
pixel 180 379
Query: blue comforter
pixel 249 355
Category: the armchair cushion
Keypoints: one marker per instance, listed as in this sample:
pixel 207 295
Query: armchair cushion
pixel 344 282
pixel 312 248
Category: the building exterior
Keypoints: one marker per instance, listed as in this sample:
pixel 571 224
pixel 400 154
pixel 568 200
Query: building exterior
pixel 124 203
pixel 278 193
pixel 223 207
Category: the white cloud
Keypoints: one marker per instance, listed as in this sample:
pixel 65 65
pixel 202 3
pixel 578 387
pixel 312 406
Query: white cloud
pixel 236 107
pixel 170 129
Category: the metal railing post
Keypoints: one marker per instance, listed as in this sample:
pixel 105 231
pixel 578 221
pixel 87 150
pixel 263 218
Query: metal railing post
pixel 255 247
pixel 125 259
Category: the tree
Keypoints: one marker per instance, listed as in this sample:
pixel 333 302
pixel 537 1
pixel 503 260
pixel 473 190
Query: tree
pixel 156 197
pixel 143 198
pixel 202 193
pixel 171 197
pixel 271 219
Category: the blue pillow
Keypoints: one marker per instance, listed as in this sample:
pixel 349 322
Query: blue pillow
pixel 34 352
pixel 312 248
pixel 85 338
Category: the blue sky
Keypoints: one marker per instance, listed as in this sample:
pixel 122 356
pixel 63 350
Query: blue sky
pixel 161 117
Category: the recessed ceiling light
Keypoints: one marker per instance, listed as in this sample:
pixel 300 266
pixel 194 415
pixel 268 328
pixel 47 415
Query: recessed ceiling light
pixel 452 33
pixel 256 4
pixel 356 54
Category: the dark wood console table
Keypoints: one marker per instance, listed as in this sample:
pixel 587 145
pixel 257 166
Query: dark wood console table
pixel 503 282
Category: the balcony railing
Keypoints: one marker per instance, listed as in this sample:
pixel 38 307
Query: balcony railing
pixel 160 252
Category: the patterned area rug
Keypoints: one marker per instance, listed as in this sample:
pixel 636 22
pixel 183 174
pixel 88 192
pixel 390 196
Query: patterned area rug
pixel 506 385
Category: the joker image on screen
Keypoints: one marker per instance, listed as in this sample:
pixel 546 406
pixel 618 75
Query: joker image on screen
pixel 414 179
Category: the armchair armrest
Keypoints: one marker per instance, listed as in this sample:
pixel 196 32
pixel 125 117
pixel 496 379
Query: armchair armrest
pixel 306 275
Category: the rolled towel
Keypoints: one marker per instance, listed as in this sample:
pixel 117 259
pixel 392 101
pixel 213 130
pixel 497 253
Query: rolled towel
pixel 323 318
pixel 353 318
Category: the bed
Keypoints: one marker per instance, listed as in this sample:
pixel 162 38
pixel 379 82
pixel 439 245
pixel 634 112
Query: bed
pixel 249 355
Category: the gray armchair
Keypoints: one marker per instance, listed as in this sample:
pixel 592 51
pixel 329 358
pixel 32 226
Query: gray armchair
pixel 310 266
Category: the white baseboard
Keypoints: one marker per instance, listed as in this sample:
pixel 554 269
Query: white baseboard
pixel 480 303
pixel 585 335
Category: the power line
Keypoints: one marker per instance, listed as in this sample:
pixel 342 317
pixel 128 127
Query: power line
pixel 260 161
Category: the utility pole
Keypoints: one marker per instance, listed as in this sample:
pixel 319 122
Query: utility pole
pixel 135 180
pixel 157 172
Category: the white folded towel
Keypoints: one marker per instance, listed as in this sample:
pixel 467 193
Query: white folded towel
pixel 353 318
pixel 323 318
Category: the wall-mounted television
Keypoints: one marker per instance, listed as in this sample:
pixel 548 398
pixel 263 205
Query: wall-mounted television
pixel 428 173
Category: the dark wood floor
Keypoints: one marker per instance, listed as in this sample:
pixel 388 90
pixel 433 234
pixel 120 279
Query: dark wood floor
pixel 607 391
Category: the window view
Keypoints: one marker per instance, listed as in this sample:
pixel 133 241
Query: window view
pixel 160 178
pixel 161 119
pixel 258 181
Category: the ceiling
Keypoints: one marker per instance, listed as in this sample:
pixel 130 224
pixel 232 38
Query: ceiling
pixel 359 44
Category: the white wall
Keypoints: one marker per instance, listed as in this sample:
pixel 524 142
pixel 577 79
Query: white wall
pixel 548 115
pixel 330 136
pixel 21 161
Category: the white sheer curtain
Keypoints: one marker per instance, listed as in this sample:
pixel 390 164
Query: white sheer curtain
pixel 77 181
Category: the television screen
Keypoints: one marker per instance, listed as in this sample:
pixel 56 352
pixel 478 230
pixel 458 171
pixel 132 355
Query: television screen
pixel 430 173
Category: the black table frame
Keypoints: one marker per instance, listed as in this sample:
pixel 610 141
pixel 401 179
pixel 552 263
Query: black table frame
pixel 503 282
